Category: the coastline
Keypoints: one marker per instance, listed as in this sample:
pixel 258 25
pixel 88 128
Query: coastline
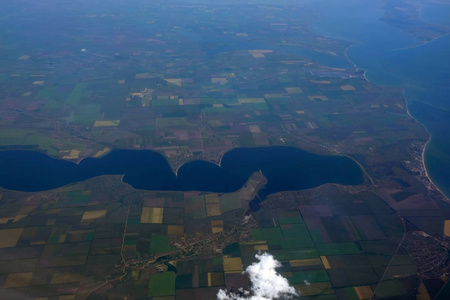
pixel 422 44
pixel 424 172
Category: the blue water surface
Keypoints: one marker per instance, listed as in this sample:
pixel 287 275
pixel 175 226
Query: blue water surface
pixel 393 58
pixel 286 168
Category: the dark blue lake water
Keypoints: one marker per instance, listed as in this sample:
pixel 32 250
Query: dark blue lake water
pixel 286 168
pixel 391 58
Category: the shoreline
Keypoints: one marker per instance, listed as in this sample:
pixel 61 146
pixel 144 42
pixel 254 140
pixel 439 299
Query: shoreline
pixel 424 171
pixel 422 44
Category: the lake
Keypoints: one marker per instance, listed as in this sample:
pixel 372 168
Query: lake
pixel 286 168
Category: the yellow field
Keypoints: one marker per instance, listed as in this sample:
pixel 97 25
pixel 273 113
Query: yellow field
pixel 232 264
pixel 18 280
pixel 320 97
pixel 26 94
pixel 215 278
pixel 213 209
pixel 254 128
pixel 312 125
pixel 275 96
pixel 294 90
pixel 447 228
pixel 143 75
pixel 24 57
pixel 259 53
pixel 152 215
pixel 347 88
pixel 423 293
pixel 211 198
pixel 321 81
pixel 73 154
pixel 140 95
pixel 305 262
pixel 121 81
pixel 363 292
pixel 216 226
pixel 9 237
pixel 262 247
pixel 90 216
pixel 107 123
pixel 101 152
pixel 325 262
pixel 300 112
pixel 219 80
pixel 176 81
pixel 39 82
pixel 251 100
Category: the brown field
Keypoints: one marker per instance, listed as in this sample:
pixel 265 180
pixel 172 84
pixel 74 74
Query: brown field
pixel 9 237
pixel 65 278
pixel 18 280
pixel 175 230
pixel 317 288
pixel 305 262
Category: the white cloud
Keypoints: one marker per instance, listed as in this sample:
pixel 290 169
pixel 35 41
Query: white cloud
pixel 267 284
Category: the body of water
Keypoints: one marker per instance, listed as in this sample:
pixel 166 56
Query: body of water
pixel 392 58
pixel 286 168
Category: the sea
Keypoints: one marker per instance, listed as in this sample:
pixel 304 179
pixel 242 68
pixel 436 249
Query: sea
pixel 393 58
